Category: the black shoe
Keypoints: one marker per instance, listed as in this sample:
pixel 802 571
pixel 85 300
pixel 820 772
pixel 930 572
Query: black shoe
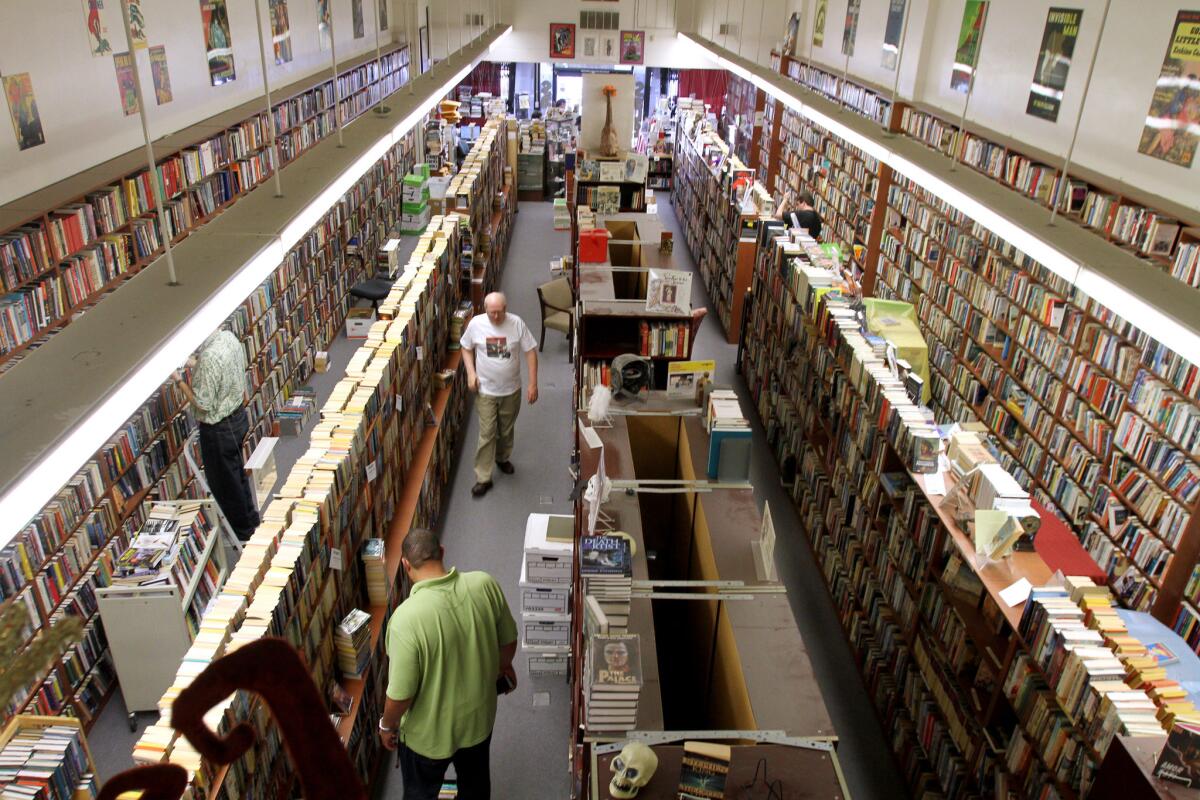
pixel 480 489
pixel 506 467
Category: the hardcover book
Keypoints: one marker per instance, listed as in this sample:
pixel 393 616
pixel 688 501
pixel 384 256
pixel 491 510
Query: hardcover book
pixel 605 555
pixel 616 663
pixel 703 771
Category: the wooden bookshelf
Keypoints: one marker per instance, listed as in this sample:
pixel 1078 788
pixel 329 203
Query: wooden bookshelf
pixel 203 170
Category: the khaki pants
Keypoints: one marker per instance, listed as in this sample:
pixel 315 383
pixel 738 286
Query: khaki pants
pixel 497 424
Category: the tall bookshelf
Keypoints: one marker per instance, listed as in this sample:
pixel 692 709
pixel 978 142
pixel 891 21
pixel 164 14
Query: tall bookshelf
pixel 374 469
pixel 96 230
pixel 743 105
pixel 54 566
pixel 484 193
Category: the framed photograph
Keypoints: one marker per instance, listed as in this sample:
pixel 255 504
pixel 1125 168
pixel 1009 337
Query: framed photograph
pixel 633 47
pixel 610 47
pixel 562 40
pixel 589 46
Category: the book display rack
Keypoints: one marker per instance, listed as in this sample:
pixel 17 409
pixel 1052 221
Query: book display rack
pixel 719 201
pixel 63 248
pixel 485 195
pixel 55 564
pixel 375 467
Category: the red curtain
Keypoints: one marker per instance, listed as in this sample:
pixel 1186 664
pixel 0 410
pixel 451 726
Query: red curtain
pixel 706 84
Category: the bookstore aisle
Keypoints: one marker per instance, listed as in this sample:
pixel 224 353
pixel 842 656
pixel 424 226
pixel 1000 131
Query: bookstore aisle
pixel 529 743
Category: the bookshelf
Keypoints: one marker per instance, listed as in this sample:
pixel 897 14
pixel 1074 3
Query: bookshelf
pixel 56 564
pixel 742 113
pixel 720 204
pixel 659 178
pixel 484 193
pixel 65 766
pixel 374 469
pixel 66 247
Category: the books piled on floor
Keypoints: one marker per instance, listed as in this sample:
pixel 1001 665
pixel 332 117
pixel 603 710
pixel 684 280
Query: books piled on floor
pixel 373 565
pixel 613 682
pixel 606 567
pixel 545 586
pixel 46 764
pixel 562 214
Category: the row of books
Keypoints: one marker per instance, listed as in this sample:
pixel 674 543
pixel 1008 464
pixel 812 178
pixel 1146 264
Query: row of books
pixel 47 762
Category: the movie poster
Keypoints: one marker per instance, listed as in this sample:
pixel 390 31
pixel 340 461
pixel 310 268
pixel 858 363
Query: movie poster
pixel 22 108
pixel 97 32
pixel 126 86
pixel 967 53
pixel 1054 61
pixel 217 43
pixel 818 39
pixel 137 23
pixel 1173 122
pixel 383 19
pixel 281 30
pixel 853 7
pixel 356 15
pixel 324 23
pixel 892 32
pixel 162 77
pixel 633 47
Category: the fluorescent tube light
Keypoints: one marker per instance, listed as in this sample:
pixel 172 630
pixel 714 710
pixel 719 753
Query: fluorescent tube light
pixel 1150 319
pixel 28 495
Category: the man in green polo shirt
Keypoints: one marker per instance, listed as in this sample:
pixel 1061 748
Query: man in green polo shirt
pixel 449 646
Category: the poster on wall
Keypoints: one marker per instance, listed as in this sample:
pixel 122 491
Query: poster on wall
pixel 281 31
pixel 610 46
pixel 356 16
pixel 589 46
pixel 423 41
pixel 381 6
pixel 633 47
pixel 818 38
pixel 97 32
pixel 22 109
pixel 1172 128
pixel 218 46
pixel 850 32
pixel 324 23
pixel 562 40
pixel 892 32
pixel 161 75
pixel 967 53
pixel 1054 60
pixel 137 23
pixel 793 33
pixel 126 87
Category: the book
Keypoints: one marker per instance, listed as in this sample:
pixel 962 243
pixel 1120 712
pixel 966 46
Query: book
pixel 703 771
pixel 1179 761
pixel 616 663
pixel 1162 654
pixel 605 555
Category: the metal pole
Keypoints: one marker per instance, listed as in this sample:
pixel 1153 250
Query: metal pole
pixel 762 10
pixel 742 28
pixel 379 108
pixel 845 72
pixel 1079 115
pixel 408 21
pixel 446 28
pixel 459 23
pixel 725 20
pixel 262 55
pixel 962 122
pixel 899 58
pixel 159 200
pixel 337 100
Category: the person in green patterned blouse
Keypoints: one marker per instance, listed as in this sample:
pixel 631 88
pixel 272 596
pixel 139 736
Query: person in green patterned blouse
pixel 217 392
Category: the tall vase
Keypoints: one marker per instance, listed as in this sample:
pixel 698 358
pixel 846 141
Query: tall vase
pixel 609 146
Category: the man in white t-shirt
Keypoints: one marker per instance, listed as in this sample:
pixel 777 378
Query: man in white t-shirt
pixel 491 346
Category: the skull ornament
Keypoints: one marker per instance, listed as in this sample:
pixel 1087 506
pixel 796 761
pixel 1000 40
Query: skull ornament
pixel 632 769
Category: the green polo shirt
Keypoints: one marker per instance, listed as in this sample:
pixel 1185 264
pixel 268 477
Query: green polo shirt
pixel 443 646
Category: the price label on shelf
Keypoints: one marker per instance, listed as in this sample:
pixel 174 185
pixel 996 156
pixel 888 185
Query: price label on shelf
pixel 335 558
pixel 372 470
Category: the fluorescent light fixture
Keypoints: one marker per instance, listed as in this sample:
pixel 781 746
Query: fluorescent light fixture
pixel 28 495
pixel 1150 319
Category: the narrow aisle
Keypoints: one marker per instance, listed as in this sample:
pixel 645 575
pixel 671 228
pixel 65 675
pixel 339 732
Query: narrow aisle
pixel 529 743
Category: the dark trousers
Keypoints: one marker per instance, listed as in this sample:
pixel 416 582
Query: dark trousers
pixel 221 449
pixel 423 776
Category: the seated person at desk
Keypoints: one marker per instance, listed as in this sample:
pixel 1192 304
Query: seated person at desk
pixel 804 216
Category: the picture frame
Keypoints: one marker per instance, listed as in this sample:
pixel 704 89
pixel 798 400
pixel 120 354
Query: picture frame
pixel 610 46
pixel 589 46
pixel 633 47
pixel 562 40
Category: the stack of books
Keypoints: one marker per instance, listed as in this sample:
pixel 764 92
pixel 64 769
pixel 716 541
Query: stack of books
pixel 613 676
pixel 297 411
pixel 458 323
pixel 373 565
pixel 168 548
pixel 562 214
pixel 606 567
pixel 46 764
pixel 353 641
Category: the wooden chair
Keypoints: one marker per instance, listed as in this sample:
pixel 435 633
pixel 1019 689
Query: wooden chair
pixel 558 309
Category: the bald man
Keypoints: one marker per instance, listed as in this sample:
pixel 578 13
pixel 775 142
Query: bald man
pixel 491 346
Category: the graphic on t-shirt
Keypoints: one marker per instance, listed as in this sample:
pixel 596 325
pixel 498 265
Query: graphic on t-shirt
pixel 497 347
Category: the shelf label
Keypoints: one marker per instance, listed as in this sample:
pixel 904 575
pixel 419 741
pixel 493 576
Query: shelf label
pixel 335 558
pixel 372 470
pixel 420 353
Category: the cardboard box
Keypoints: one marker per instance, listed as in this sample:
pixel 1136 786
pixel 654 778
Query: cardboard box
pixel 359 322
pixel 543 599
pixel 548 562
pixel 546 630
pixel 548 663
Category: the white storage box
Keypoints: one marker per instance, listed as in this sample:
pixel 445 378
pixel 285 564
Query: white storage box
pixel 546 630
pixel 547 562
pixel 543 599
pixel 548 663
pixel 359 322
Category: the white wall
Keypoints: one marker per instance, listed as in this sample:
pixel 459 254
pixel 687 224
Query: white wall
pixel 77 94
pixel 595 110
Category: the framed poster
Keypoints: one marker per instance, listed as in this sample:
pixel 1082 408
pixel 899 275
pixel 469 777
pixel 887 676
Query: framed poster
pixel 562 40
pixel 356 17
pixel 892 32
pixel 1172 128
pixel 160 74
pixel 633 47
pixel 970 31
pixel 22 109
pixel 383 14
pixel 423 39
pixel 324 23
pixel 1054 60
pixel 137 23
pixel 818 38
pixel 217 44
pixel 850 32
pixel 589 46
pixel 281 30
pixel 126 85
pixel 97 32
